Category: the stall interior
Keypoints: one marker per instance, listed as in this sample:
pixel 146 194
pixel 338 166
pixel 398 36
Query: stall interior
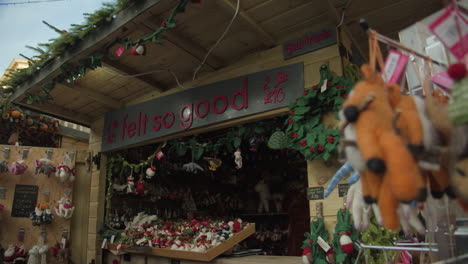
pixel 251 182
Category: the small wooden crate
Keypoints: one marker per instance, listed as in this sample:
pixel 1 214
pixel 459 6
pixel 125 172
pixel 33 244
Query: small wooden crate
pixel 207 256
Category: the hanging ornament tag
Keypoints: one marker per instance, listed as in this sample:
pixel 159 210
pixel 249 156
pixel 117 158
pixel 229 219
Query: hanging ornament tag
pixel 112 239
pixel 324 86
pixel 141 241
pixel 446 29
pixel 443 80
pixel 63 243
pixel 150 243
pixel 323 244
pixel 395 65
pixel 159 155
pixel 120 51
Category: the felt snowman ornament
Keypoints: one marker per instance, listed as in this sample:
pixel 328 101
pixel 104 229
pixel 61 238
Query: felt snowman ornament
pixel 238 159
pixel 130 184
pixel 150 172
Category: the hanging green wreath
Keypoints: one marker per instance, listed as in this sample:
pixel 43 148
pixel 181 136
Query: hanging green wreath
pixel 304 130
pixel 344 238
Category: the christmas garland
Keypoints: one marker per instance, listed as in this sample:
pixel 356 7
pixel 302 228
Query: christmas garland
pixel 344 238
pixel 70 72
pixel 304 130
pixel 311 249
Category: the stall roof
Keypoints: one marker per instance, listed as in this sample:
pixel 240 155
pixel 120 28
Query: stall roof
pixel 260 25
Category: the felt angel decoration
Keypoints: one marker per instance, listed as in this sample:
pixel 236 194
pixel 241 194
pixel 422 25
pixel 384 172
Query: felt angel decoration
pixel 238 159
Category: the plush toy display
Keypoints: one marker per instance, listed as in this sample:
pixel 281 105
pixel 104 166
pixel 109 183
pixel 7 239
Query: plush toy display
pixel 264 196
pixel 44 166
pixel 65 208
pixel 18 167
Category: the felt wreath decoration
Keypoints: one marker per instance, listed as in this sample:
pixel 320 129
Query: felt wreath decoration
pixel 344 238
pixel 312 253
pixel 304 131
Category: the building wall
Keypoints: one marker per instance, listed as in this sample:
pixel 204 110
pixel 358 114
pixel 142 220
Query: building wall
pixel 259 61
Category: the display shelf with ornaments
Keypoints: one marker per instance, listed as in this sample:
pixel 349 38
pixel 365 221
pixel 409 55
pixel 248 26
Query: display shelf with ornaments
pixel 207 256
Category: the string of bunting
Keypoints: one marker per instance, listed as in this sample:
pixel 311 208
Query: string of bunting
pixel 70 72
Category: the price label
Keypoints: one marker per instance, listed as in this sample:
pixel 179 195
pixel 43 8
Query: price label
pixel 323 244
pixel 315 193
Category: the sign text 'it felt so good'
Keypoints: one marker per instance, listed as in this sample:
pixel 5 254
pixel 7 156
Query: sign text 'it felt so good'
pixel 201 106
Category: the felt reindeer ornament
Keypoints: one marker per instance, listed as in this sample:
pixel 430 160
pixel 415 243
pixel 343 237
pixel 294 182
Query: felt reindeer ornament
pixel 386 156
pixel 65 208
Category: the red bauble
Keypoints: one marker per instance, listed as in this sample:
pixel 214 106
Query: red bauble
pixel 163 24
pixel 345 95
pixel 329 83
pixel 339 86
pixel 457 71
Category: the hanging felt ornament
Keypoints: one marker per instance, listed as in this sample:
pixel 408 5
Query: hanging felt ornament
pixel 20 255
pixel 131 183
pixel 344 237
pixel 44 166
pixel 18 167
pixel 43 253
pixel 138 50
pixel 65 208
pixel 238 159
pixel 277 140
pixel 64 171
pixel 140 186
pixel 214 163
pixel 9 255
pixel 117 187
pixel 150 172
pixel 33 255
pixel 192 166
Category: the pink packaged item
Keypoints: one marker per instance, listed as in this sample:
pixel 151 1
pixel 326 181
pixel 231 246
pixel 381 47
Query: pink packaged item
pixel 395 65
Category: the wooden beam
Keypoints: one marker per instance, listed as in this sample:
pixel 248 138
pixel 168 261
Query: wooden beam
pixel 266 37
pixel 101 98
pixel 125 70
pixel 95 40
pixel 60 112
pixel 184 44
pixel 288 12
pixel 336 17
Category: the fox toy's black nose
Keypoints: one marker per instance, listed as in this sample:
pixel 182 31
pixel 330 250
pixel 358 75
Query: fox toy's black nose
pixel 351 113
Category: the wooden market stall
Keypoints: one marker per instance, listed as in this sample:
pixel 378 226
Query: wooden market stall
pixel 265 35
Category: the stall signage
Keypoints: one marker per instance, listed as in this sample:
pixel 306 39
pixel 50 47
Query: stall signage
pixel 213 103
pixel 315 193
pixel 343 189
pixel 24 200
pixel 309 42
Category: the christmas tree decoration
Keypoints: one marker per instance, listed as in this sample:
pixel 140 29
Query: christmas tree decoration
pixel 344 238
pixel 315 252
pixel 150 172
pixel 238 159
pixel 138 50
pixel 65 208
pixel 304 129
pixel 277 140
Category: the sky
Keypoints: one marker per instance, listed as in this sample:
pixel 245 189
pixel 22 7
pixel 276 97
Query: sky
pixel 21 24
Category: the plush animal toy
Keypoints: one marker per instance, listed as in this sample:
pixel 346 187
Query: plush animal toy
pixel 360 209
pixel 387 158
pixel 65 208
pixel 44 166
pixel 264 196
pixel 238 159
pixel 192 167
pixel 18 167
pixel 65 173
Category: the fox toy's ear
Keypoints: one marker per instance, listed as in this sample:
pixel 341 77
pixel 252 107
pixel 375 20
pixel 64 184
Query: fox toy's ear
pixel 370 75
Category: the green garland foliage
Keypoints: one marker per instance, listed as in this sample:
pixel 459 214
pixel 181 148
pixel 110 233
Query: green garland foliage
pixel 344 224
pixel 377 236
pixel 317 229
pixel 67 39
pixel 304 130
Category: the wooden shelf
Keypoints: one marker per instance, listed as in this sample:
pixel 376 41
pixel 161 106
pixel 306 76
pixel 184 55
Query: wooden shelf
pixel 266 214
pixel 207 256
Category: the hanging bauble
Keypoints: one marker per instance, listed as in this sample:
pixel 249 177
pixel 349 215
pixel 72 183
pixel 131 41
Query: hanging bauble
pixel 150 172
pixel 15 114
pixel 138 50
pixel 277 140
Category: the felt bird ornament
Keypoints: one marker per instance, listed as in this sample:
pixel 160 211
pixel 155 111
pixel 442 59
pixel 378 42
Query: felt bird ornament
pixel 18 167
pixel 44 166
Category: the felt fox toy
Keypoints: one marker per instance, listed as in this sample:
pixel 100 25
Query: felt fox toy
pixel 387 158
pixel 412 123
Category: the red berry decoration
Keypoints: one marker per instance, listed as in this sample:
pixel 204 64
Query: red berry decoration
pixel 303 143
pixel 311 149
pixel 320 148
pixel 331 139
pixel 163 24
pixel 311 241
pixel 329 83
pixel 291 112
pixel 315 87
pixel 290 121
pixel 294 135
pixel 64 31
pixel 457 71
pixel 306 92
pixel 345 95
pixel 339 86
pixel 41 118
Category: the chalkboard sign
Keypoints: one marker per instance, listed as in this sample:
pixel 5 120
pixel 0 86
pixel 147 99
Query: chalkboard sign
pixel 343 189
pixel 315 193
pixel 24 200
